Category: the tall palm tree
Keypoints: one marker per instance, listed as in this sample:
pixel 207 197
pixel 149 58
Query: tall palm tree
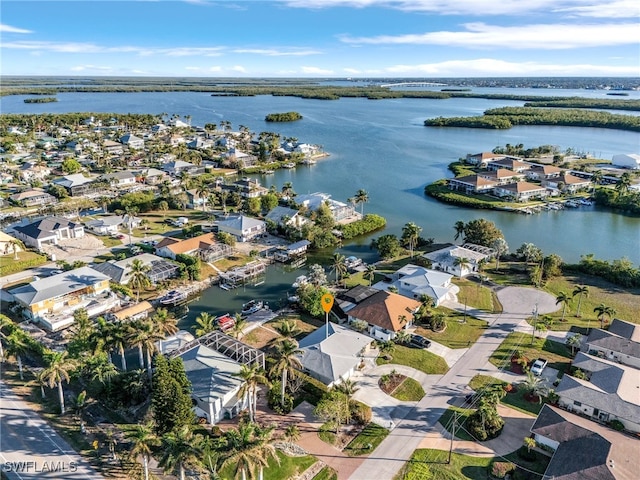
pixel 252 376
pixel 238 327
pixel 411 234
pixel 462 263
pixel 143 440
pixel 58 368
pixel 369 273
pixel 165 323
pixel 581 291
pixel 120 341
pixel 573 342
pixel 624 183
pixel 287 357
pixel 596 178
pixel 339 266
pixel 564 299
pixel 361 197
pixel 180 449
pixel 136 336
pixel 18 346
pixel 248 448
pixel 205 323
pixel 459 226
pixel 604 311
pixel 139 276
pixel 202 191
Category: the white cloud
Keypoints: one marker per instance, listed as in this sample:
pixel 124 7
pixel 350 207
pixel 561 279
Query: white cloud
pixel 277 53
pixel 95 68
pixel 545 36
pixel 9 29
pixel 80 47
pixel 316 71
pixel 238 68
pixel 492 67
pixel 215 69
pixel 600 8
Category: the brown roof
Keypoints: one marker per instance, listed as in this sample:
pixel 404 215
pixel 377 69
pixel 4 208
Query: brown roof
pixel 384 310
pixel 167 241
pixel 500 173
pixel 474 180
pixel 546 169
pixel 133 310
pixel 572 179
pixel 190 244
pixel 520 187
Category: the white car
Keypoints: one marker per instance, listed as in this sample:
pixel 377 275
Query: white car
pixel 538 366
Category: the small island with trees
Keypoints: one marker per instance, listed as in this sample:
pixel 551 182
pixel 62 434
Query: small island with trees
pixel 40 100
pixel 283 117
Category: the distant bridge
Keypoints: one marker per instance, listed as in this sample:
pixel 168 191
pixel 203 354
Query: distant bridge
pixel 414 84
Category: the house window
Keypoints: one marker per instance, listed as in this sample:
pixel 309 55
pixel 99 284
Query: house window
pixel 577 404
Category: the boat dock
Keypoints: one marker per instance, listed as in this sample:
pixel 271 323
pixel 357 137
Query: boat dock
pixel 241 275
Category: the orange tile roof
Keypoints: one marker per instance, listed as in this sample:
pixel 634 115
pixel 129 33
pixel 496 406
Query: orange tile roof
pixel 384 309
pixel 190 244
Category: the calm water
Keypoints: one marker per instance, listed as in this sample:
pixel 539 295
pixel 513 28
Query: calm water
pixel 383 147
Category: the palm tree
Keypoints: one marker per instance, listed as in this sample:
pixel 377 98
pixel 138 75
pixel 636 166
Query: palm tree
pixel 4 322
pixel 403 336
pixel 251 375
pixel 603 312
pixel 288 328
pixel 292 433
pixel 624 183
pixel 581 290
pixel 248 448
pixel 180 449
pixel 287 357
pixel 596 178
pixel 238 326
pixel 462 263
pixel 459 226
pixel 500 246
pixel 16 245
pixel 205 323
pixel 143 440
pixel 137 336
pixel 564 299
pixel 535 386
pixel 58 369
pixel 165 323
pixel 202 191
pixel 119 341
pixel 339 266
pixel 573 342
pixel 369 273
pixel 411 234
pixel 348 387
pixel 361 197
pixel 17 346
pixel 138 276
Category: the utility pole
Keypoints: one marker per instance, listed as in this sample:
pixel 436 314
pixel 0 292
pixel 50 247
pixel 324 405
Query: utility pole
pixel 453 434
pixel 535 322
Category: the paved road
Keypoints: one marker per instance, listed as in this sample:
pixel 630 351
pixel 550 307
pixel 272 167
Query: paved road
pixel 30 448
pixel 409 432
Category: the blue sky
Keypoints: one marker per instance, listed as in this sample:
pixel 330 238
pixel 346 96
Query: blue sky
pixel 321 38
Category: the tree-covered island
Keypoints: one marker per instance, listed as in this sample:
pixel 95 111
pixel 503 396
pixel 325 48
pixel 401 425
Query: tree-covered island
pixel 283 117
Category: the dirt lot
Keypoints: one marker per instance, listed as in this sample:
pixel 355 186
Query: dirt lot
pixel 72 249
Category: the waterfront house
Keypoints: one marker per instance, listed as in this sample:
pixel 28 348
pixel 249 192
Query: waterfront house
pixel 413 281
pixel 581 449
pixel 447 258
pixel 501 176
pixel 385 313
pixel 515 164
pixel 33 198
pixel 204 246
pixel 609 392
pixel 284 216
pixel 520 191
pixel 542 172
pixel 133 312
pixel 159 268
pixel 332 353
pixel 48 231
pixel 620 343
pixel 482 159
pixel 339 210
pixel 51 301
pixel 471 184
pixel 214 383
pixel 567 183
pixel 242 227
pixel 246 188
pixel 346 301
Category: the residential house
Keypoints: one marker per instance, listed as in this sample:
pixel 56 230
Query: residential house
pixel 501 176
pixel 78 185
pixel 194 200
pixel 284 216
pixel 621 343
pixel 246 188
pixel 8 244
pixel 173 342
pixel 332 353
pixel 385 313
pixel 520 191
pixel 133 142
pixel 610 391
pixel 471 184
pixel 30 171
pixel 448 259
pixel 542 172
pixel 514 164
pixel 107 225
pixel 339 210
pixel 112 148
pixel 413 281
pixel 120 271
pixel 199 143
pixel 151 176
pixel 51 301
pixel 204 246
pixel 567 183
pixel 133 312
pixel 346 301
pixel 48 231
pixel 215 386
pixel 33 198
pixel 242 227
pixel 582 449
pixel 482 159
pixel 123 178
pixel 176 167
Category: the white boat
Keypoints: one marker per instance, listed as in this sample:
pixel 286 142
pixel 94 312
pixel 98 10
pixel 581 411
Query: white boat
pixel 309 161
pixel 301 280
pixel 289 165
pixel 251 307
pixel 173 297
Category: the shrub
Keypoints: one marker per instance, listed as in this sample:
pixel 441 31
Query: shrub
pixel 527 454
pixel 360 412
pixel 501 469
pixel 274 399
pixel 314 389
pixel 616 425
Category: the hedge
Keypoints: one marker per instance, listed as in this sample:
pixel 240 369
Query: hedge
pixel 368 224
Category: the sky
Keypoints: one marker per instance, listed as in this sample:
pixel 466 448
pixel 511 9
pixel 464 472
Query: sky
pixel 321 38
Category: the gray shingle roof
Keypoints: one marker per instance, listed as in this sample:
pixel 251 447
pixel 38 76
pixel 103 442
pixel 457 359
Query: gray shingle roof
pixel 46 227
pixel 610 341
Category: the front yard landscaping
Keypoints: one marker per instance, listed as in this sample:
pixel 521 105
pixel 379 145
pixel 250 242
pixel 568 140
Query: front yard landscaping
pixel 367 440
pixel 559 355
pixel 401 387
pixel 417 358
pixel 459 333
pixel 462 414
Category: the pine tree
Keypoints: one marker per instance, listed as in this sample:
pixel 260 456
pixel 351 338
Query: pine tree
pixel 171 396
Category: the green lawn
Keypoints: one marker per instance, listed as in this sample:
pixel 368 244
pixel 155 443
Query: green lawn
pixel 462 414
pixel 327 473
pixel 457 334
pixel 515 399
pixel 409 391
pixel 475 295
pixel 289 467
pixel 558 355
pixel 26 260
pixel 417 358
pixel 432 464
pixel 373 434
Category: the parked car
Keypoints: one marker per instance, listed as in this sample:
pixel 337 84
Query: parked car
pixel 419 341
pixel 538 366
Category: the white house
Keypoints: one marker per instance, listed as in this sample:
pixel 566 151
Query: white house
pixel 214 383
pixel 242 227
pixel 105 225
pixel 133 142
pixel 413 281
pixel 447 259
pixel 48 231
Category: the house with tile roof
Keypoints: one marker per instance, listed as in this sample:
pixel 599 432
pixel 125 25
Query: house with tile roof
pixel 332 353
pixel 215 385
pixel 33 197
pixel 582 449
pixel 446 259
pixel 520 191
pixel 471 184
pixel 414 281
pixel 51 301
pixel 501 176
pixel 385 313
pixel 542 172
pixel 242 227
pixel 567 183
pixel 482 159
pixel 205 246
pixel 48 231
pixel 610 391
pixel 515 164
